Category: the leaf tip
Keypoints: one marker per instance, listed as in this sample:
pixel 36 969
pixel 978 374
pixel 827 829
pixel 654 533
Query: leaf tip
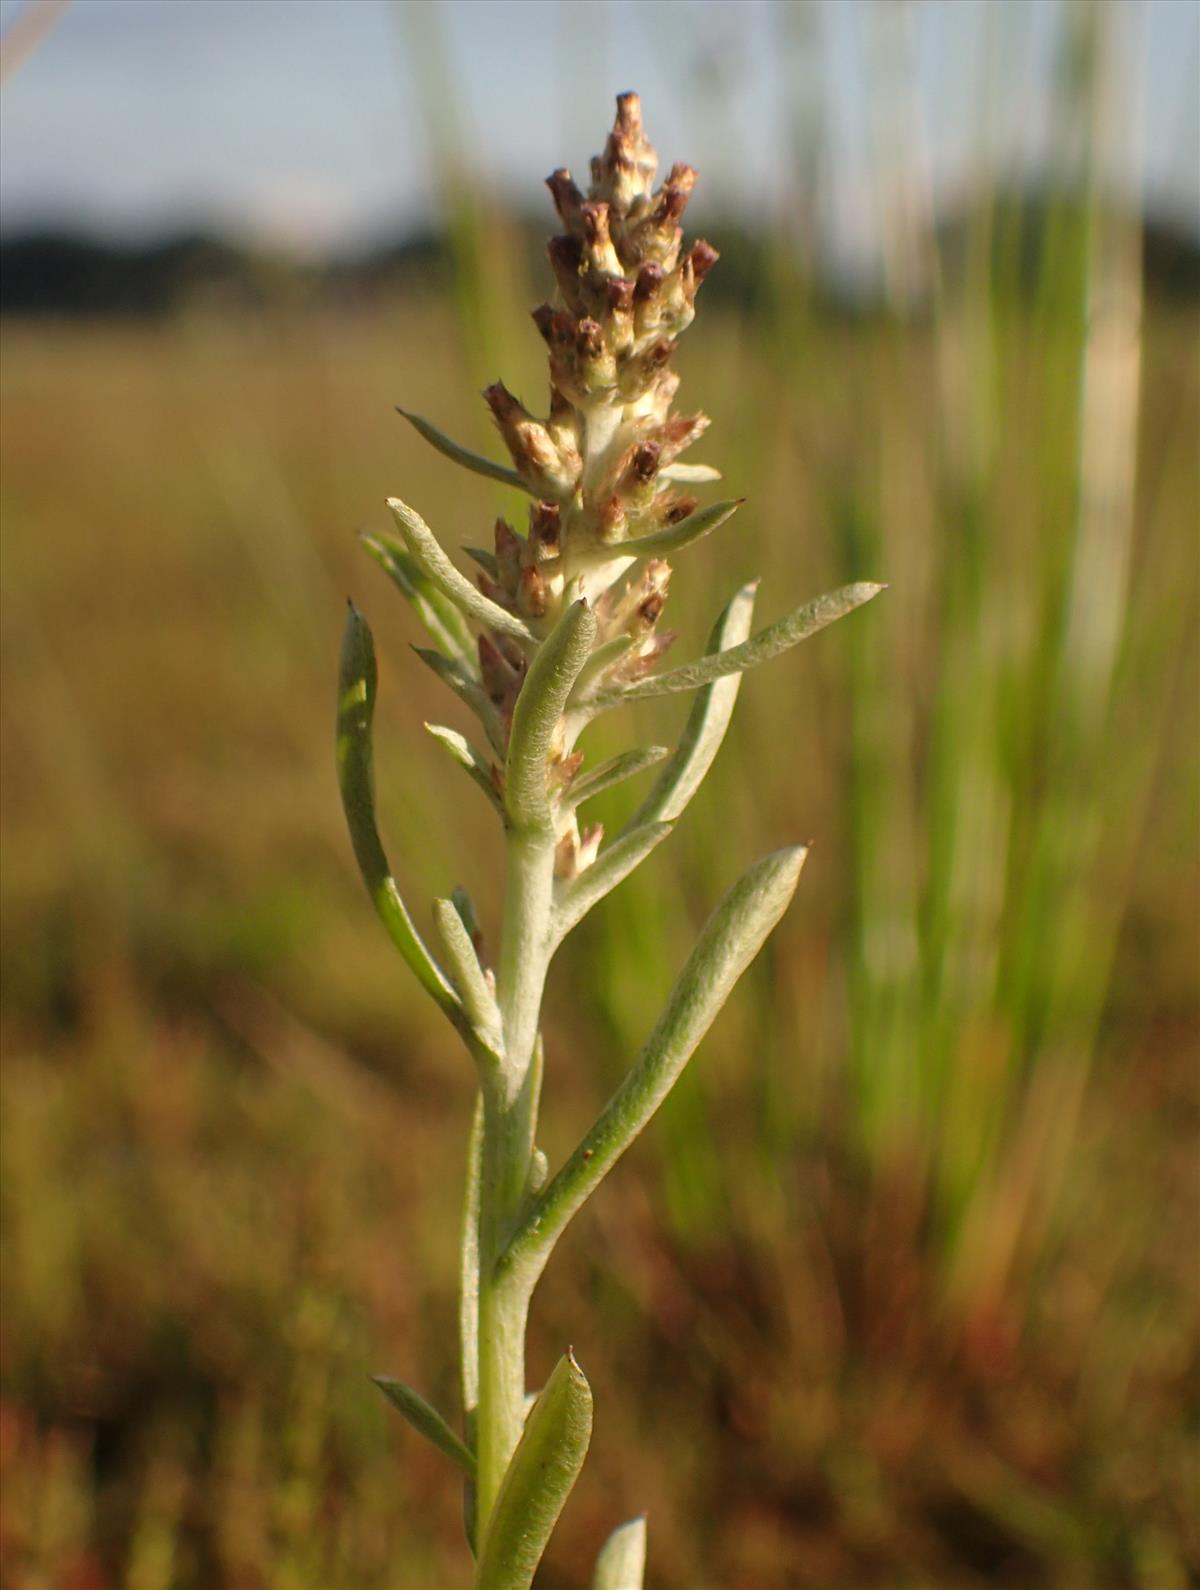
pixel 791 861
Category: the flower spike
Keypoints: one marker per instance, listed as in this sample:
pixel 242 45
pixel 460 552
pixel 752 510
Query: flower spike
pixel 561 620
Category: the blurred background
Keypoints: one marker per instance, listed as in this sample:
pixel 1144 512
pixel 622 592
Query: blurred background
pixel 902 1288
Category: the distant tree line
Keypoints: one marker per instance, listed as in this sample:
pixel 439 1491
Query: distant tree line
pixel 66 273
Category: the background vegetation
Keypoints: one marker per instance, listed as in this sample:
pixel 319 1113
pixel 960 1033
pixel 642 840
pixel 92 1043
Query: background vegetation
pixel 901 1290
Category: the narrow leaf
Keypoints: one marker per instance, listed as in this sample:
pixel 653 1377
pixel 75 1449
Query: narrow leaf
pixel 621 1564
pixel 689 474
pixel 598 664
pixel 538 1481
pixel 730 940
pixel 676 536
pixel 538 1176
pixel 486 560
pixel 611 867
pixel 357 680
pixel 462 455
pixel 468 1300
pixel 539 706
pixel 478 1000
pixel 706 724
pixel 468 690
pixel 614 771
pixel 465 754
pixel 768 643
pixel 433 562
pixel 467 914
pixel 427 1420
pixel 440 617
pixel 468 1277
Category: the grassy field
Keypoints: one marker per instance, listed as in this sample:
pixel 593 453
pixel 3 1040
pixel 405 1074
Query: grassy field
pixel 901 1289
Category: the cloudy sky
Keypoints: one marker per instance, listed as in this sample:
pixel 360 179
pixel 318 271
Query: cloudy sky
pixel 310 122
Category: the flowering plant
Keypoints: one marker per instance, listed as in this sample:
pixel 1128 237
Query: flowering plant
pixel 561 626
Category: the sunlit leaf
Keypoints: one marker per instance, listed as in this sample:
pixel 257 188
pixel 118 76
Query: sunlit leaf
pixel 730 940
pixel 357 680
pixel 430 557
pixel 537 1481
pixel 676 536
pixel 770 642
pixel 425 1418
pixel 539 707
pixel 706 724
pixel 621 1564
pixel 462 455
pixel 615 771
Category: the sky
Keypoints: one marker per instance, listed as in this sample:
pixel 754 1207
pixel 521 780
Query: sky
pixel 317 124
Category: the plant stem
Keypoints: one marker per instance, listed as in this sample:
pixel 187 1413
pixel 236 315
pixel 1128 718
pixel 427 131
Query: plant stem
pixel 524 950
pixel 509 1125
pixel 503 1311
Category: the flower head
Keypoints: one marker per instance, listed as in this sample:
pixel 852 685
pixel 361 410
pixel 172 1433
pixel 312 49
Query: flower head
pixel 602 462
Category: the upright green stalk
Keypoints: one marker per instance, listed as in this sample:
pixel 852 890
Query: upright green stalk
pixel 567 614
pixel 510 1121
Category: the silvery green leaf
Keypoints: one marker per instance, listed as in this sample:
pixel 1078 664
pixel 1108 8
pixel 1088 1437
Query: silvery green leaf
pixel 621 1564
pixel 465 754
pixel 768 643
pixel 433 562
pixel 598 664
pixel 357 680
pixel 478 1000
pixel 439 615
pixel 618 768
pixel 468 1286
pixel 680 535
pixel 468 1273
pixel 539 1174
pixel 730 940
pixel 689 474
pixel 462 455
pixel 539 707
pixel 427 1420
pixel 467 914
pixel 612 866
pixel 486 560
pixel 537 1481
pixel 468 689
pixel 706 724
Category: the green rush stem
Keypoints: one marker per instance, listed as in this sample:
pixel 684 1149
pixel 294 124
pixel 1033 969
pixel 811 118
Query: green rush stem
pixel 510 1122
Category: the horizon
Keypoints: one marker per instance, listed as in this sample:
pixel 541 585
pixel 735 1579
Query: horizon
pixel 337 137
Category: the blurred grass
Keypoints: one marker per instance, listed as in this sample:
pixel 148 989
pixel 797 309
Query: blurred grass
pixel 915 1316
pixel 901 1289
